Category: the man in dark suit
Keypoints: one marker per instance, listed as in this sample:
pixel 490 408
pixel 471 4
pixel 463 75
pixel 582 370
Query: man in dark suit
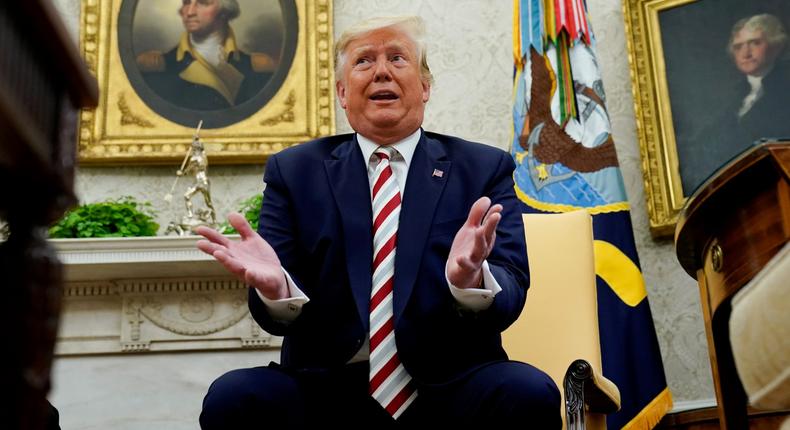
pixel 756 107
pixel 206 70
pixel 391 307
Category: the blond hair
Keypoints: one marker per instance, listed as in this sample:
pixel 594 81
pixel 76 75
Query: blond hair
pixel 411 26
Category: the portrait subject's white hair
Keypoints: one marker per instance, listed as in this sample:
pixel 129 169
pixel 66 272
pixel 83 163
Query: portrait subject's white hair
pixel 411 26
pixel 230 9
pixel 770 25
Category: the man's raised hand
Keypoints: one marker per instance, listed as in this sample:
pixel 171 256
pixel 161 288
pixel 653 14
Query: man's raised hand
pixel 251 259
pixel 472 244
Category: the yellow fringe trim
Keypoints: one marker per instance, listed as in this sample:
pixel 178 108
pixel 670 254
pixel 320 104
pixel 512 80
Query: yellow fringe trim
pixel 516 32
pixel 555 207
pixel 652 413
pixel 514 93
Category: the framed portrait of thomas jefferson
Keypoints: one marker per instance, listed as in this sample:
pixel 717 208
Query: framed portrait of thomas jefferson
pixel 710 78
pixel 257 73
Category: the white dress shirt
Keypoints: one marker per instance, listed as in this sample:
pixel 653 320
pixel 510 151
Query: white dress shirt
pixel 211 48
pixel 756 84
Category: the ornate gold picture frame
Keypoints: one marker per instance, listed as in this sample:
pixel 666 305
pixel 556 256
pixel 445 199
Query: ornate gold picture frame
pixel 653 113
pixel 688 89
pixel 142 118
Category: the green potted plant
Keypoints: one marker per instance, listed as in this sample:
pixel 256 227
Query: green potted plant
pixel 250 209
pixel 122 217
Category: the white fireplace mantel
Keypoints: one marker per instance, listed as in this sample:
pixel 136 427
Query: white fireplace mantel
pixel 132 295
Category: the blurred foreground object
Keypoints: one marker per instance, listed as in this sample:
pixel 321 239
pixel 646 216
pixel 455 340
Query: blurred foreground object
pixel 43 82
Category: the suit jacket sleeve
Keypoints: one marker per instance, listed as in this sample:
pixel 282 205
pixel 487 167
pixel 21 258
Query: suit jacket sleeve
pixel 276 226
pixel 508 258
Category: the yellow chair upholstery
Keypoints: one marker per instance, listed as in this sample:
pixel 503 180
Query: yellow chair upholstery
pixel 559 323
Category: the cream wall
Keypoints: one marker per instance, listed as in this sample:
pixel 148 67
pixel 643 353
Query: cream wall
pixel 470 55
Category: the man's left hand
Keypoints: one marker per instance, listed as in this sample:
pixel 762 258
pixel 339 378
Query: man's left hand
pixel 472 244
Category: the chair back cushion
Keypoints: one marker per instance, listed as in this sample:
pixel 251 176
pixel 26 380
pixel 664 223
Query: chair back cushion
pixel 559 323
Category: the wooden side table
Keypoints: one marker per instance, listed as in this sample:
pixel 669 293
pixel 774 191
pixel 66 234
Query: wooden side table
pixel 727 231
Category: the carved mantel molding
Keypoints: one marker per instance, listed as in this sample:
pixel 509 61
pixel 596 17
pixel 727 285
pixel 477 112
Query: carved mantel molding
pixel 148 295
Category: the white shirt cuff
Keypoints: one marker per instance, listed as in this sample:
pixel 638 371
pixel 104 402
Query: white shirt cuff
pixel 288 309
pixel 476 299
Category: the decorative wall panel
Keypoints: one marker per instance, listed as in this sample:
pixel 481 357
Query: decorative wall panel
pixel 151 295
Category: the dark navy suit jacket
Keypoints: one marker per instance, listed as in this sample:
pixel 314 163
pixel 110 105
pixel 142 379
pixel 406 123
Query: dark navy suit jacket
pixel 316 214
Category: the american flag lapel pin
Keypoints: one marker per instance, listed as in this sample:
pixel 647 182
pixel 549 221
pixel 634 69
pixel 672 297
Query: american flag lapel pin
pixel 437 173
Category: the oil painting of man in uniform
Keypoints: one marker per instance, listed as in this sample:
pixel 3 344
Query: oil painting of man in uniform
pixel 206 70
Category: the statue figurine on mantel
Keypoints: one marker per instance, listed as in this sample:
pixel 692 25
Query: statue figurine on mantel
pixel 195 164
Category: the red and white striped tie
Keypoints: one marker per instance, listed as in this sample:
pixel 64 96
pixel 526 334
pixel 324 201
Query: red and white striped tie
pixel 390 384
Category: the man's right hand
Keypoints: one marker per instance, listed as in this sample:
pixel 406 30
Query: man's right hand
pixel 251 259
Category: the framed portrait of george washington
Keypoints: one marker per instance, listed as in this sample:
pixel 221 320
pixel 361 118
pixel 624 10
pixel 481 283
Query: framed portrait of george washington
pixel 710 79
pixel 257 73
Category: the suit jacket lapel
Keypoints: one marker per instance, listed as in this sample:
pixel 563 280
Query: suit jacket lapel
pixel 348 178
pixel 427 177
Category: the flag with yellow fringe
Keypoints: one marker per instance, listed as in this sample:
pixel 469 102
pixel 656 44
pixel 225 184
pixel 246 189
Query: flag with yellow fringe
pixel 566 160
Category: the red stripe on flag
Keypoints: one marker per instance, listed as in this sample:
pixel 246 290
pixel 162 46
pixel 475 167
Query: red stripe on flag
pixel 571 20
pixel 585 26
pixel 400 399
pixel 383 373
pixel 559 17
pixel 381 294
pixel 377 337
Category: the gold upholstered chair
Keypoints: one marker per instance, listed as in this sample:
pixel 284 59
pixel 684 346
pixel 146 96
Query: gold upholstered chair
pixel 558 328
